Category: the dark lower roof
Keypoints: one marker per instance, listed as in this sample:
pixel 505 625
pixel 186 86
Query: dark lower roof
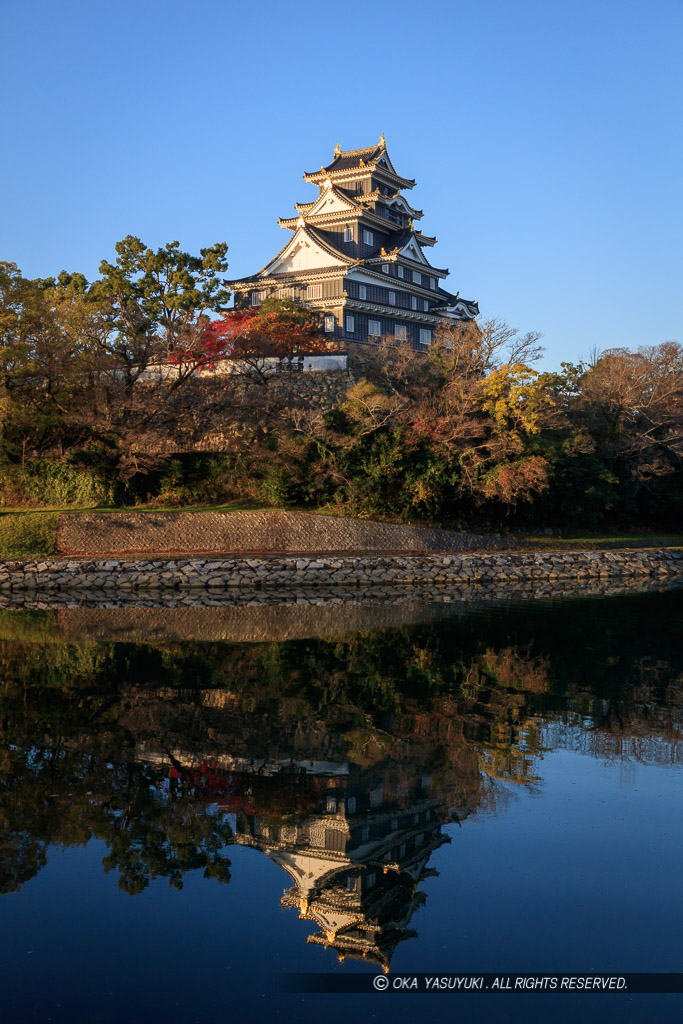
pixel 396 240
pixel 447 299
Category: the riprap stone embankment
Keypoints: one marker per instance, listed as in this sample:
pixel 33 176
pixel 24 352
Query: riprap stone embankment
pixel 282 571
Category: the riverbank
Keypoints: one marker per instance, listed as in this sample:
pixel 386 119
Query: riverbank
pixel 239 615
pixel 284 572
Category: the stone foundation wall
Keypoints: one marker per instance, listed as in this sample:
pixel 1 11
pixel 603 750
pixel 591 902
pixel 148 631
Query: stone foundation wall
pixel 215 403
pixel 283 572
pixel 321 390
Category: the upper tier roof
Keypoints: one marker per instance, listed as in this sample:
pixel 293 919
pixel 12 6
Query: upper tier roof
pixel 358 159
pixel 349 159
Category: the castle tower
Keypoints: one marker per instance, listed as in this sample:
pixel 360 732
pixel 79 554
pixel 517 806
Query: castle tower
pixel 356 256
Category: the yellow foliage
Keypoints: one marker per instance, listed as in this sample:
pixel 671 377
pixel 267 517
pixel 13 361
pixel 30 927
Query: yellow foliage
pixel 513 399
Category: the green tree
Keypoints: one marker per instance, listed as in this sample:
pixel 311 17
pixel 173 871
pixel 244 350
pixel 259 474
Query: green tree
pixel 154 301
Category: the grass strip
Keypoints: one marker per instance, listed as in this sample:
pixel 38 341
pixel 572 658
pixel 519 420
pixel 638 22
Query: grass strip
pixel 28 534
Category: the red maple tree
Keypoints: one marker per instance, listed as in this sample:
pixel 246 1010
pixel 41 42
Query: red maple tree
pixel 276 329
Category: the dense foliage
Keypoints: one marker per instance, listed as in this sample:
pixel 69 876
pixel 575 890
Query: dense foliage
pixel 97 407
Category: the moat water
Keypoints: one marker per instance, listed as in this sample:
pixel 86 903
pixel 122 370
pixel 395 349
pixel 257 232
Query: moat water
pixel 196 803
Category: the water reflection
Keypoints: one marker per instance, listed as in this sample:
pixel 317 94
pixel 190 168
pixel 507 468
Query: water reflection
pixel 341 759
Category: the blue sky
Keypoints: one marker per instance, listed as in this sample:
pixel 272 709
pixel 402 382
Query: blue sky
pixel 545 138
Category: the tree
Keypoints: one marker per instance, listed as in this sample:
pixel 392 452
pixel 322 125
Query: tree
pixel 41 364
pixel 477 403
pixel 633 404
pixel 154 302
pixel 253 338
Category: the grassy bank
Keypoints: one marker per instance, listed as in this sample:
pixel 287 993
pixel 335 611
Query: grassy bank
pixel 603 541
pixel 28 534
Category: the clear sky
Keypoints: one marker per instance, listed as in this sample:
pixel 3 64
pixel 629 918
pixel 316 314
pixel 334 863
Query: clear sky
pixel 545 137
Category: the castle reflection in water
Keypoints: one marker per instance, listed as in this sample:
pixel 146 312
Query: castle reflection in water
pixel 357 859
pixel 343 761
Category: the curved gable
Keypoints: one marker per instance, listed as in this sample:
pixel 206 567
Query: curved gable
pixel 412 251
pixel 303 252
pixel 331 201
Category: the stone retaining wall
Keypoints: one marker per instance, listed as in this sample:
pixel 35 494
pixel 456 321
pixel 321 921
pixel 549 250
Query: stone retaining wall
pixel 263 532
pixel 218 574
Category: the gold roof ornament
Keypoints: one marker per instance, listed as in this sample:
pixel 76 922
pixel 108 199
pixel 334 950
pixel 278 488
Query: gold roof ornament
pixel 361 162
pixel 410 223
pixel 382 251
pixel 337 150
pixel 382 140
pixel 300 222
pixel 327 183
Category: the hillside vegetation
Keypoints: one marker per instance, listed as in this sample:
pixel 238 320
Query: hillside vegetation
pixel 467 434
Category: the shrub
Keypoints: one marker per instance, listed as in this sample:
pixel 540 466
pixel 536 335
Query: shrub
pixel 54 483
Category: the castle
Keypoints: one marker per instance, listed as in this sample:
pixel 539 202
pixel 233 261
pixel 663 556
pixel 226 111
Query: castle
pixel 357 258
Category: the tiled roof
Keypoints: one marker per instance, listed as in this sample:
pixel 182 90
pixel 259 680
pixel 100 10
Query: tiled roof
pixel 448 299
pixel 346 197
pixel 325 243
pixel 397 240
pixel 317 237
pixel 351 158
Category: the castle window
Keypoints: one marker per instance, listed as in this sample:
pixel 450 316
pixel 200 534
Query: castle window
pixel 400 333
pixel 331 805
pixel 399 271
pixel 348 234
pixel 374 328
pixel 335 840
pixel 351 805
pixel 255 298
pixel 432 282
pixel 350 324
pixel 385 268
pixel 365 833
pixel 417 278
pixel 392 298
pixel 367 236
pixel 361 291
pixel 329 324
pixel 314 291
pixel 425 336
pixel 426 304
pixel 413 301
